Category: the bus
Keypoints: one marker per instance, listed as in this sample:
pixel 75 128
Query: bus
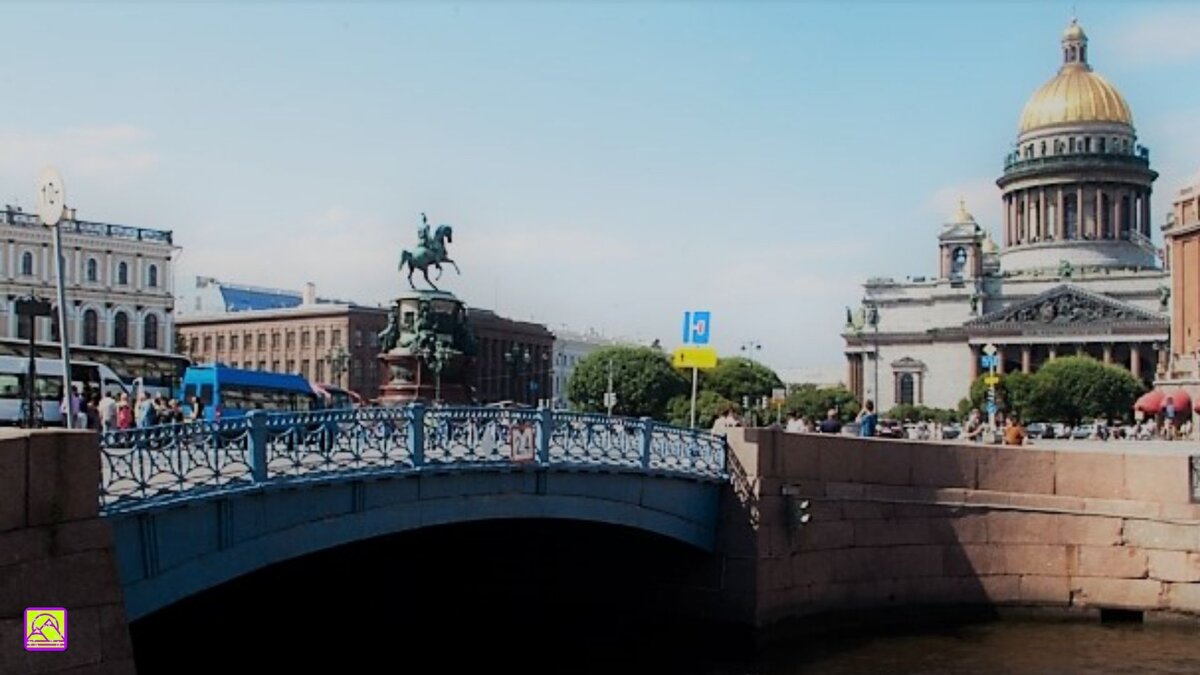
pixel 232 392
pixel 86 376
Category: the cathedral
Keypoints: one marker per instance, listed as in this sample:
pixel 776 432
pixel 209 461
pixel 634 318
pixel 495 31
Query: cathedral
pixel 1076 272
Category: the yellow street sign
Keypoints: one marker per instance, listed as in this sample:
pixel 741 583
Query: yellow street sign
pixel 695 357
pixel 991 379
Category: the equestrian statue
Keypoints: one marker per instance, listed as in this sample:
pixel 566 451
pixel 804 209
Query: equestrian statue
pixel 430 252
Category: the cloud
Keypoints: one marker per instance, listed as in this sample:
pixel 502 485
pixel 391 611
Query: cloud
pixel 113 152
pixel 1166 36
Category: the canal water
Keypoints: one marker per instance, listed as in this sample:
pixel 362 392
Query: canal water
pixel 996 647
pixel 563 598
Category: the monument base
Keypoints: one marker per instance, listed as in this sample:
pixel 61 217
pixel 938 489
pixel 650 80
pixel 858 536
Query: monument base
pixel 411 381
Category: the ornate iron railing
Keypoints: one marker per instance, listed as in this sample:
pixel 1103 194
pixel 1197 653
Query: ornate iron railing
pixel 182 460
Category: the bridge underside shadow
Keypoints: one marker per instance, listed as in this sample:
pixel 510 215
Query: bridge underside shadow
pixel 543 595
pixel 169 551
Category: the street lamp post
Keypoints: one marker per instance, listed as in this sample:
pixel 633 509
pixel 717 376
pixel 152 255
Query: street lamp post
pixel 337 358
pixel 873 321
pixel 521 360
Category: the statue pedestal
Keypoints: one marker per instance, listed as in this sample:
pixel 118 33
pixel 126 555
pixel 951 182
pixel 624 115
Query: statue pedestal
pixel 425 321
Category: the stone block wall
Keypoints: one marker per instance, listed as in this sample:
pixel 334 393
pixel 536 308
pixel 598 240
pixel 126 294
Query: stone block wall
pixel 897 523
pixel 56 551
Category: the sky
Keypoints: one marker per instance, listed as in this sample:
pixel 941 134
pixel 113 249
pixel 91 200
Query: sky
pixel 605 165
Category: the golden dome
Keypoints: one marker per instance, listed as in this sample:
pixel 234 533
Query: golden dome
pixel 962 215
pixel 1075 94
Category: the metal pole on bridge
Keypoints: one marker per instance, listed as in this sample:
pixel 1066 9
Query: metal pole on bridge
pixel 50 206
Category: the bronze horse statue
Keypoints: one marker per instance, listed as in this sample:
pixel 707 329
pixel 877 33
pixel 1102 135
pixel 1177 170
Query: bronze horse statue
pixel 431 252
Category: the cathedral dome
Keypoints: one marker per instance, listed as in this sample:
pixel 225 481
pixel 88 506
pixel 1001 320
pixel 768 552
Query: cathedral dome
pixel 1076 94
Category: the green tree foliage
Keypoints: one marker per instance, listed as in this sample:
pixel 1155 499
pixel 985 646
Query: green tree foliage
pixel 811 401
pixel 919 413
pixel 736 377
pixel 709 404
pixel 643 379
pixel 1077 388
pixel 1068 389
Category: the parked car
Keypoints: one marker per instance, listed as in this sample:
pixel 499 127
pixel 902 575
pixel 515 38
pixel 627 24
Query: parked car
pixel 1039 430
pixel 1084 431
pixel 889 429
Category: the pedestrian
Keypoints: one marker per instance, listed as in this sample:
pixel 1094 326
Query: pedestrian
pixel 973 430
pixel 724 422
pixel 124 412
pixel 1014 433
pixel 867 420
pixel 794 424
pixel 107 407
pixel 831 424
pixel 197 409
pixel 144 412
pixel 92 412
pixel 174 412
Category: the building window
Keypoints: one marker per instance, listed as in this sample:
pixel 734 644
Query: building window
pixel 907 388
pixel 207 344
pixel 194 345
pixel 274 366
pixel 91 327
pixel 123 274
pixel 150 332
pixel 220 343
pixel 958 262
pixel 121 330
pixel 27 264
pixel 24 327
pixel 335 338
pixel 304 368
pixel 54 337
pixel 291 341
pixel 92 272
pixel 152 276
pixel 262 343
pixel 291 365
pixel 233 343
pixel 320 338
pixel 358 337
pixel 305 338
pixel 274 340
pixel 262 365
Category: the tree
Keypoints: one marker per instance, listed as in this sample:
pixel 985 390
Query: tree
pixel 643 380
pixel 1075 388
pixel 709 404
pixel 811 401
pixel 735 378
pixel 1015 392
pixel 919 413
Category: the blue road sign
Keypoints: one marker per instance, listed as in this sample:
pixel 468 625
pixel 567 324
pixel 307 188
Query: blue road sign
pixel 991 407
pixel 697 327
pixel 986 361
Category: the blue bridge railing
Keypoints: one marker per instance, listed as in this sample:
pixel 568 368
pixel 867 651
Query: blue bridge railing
pixel 182 460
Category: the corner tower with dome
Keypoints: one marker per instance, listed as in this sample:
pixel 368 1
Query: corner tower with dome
pixel 1076 274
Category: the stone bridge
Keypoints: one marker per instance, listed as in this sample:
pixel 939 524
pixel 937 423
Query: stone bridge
pixel 784 526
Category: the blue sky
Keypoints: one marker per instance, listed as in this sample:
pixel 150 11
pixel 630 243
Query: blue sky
pixel 604 165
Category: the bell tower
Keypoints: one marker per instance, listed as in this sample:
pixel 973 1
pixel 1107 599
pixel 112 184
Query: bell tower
pixel 961 247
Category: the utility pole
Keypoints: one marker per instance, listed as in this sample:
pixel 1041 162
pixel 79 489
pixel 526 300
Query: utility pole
pixel 610 397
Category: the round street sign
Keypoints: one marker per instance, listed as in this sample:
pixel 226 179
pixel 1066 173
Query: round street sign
pixel 50 196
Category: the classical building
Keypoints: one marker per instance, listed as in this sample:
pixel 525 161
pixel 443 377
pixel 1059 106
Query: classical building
pixel 118 286
pixel 1183 260
pixel 1076 274
pixel 513 358
pixel 326 343
pixel 570 348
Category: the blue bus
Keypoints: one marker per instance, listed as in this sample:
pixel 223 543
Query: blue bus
pixel 232 392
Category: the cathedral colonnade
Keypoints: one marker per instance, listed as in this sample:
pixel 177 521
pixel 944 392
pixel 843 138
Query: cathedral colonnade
pixel 1139 357
pixel 1076 212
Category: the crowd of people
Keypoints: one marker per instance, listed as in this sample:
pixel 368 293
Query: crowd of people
pixel 106 412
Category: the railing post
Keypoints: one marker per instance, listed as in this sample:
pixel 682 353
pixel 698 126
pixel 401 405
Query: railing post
pixel 416 433
pixel 545 430
pixel 647 436
pixel 258 445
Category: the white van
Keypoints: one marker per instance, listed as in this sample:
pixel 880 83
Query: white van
pixel 86 375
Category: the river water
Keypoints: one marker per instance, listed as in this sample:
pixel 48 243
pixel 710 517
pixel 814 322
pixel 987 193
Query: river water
pixel 999 647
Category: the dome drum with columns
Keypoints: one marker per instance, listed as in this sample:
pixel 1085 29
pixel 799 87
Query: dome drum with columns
pixel 1077 187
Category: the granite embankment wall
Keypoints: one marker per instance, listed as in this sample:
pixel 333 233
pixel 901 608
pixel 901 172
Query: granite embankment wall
pixel 56 551
pixel 895 523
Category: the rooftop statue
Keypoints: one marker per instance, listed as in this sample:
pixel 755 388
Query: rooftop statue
pixel 430 252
